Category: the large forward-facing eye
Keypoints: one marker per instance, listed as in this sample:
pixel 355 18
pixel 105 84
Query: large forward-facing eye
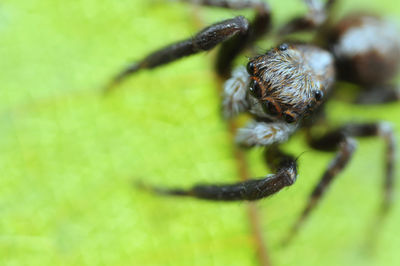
pixel 318 94
pixel 289 117
pixel 283 47
pixel 250 68
pixel 269 108
pixel 255 89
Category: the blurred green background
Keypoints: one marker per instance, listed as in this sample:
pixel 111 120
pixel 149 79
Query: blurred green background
pixel 68 155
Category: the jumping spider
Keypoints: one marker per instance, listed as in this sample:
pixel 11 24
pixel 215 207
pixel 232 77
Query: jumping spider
pixel 285 89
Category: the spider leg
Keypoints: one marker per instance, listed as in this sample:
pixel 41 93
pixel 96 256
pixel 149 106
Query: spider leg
pixel 235 93
pixel 384 131
pixel 264 134
pixel 343 156
pixel 274 156
pixel 342 138
pixel 252 189
pixel 379 94
pixel 318 14
pixel 259 26
pixel 204 40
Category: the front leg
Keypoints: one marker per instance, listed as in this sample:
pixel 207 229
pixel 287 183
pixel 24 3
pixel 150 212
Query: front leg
pixel 205 40
pixel 341 140
pixel 265 134
pixel 253 189
pixel 259 27
pixel 235 93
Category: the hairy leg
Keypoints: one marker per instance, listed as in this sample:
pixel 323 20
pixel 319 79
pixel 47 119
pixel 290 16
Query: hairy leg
pixel 252 189
pixel 259 26
pixel 341 138
pixel 264 134
pixel 205 40
pixel 234 95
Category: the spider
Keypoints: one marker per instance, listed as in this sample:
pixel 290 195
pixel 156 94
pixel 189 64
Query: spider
pixel 285 90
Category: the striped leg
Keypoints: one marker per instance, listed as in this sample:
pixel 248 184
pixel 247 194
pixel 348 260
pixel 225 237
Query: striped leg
pixel 343 156
pixel 342 136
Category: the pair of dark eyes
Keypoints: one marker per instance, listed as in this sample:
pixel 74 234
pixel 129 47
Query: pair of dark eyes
pixel 255 91
pixel 270 108
pixel 267 106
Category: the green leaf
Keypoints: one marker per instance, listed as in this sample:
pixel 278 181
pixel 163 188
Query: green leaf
pixel 69 155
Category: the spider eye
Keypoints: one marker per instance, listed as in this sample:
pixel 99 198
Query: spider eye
pixel 250 68
pixel 269 108
pixel 289 118
pixel 283 47
pixel 318 95
pixel 255 89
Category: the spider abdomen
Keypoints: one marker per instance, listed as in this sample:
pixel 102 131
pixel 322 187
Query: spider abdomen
pixel 367 49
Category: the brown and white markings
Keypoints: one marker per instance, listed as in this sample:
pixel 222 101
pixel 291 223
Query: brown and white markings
pixel 284 90
pixel 367 51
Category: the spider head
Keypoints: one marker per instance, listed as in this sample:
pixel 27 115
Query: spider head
pixel 284 84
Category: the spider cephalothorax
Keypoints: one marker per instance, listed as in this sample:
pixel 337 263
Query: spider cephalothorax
pixel 289 81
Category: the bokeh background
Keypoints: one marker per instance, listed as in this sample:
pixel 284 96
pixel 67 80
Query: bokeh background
pixel 68 156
